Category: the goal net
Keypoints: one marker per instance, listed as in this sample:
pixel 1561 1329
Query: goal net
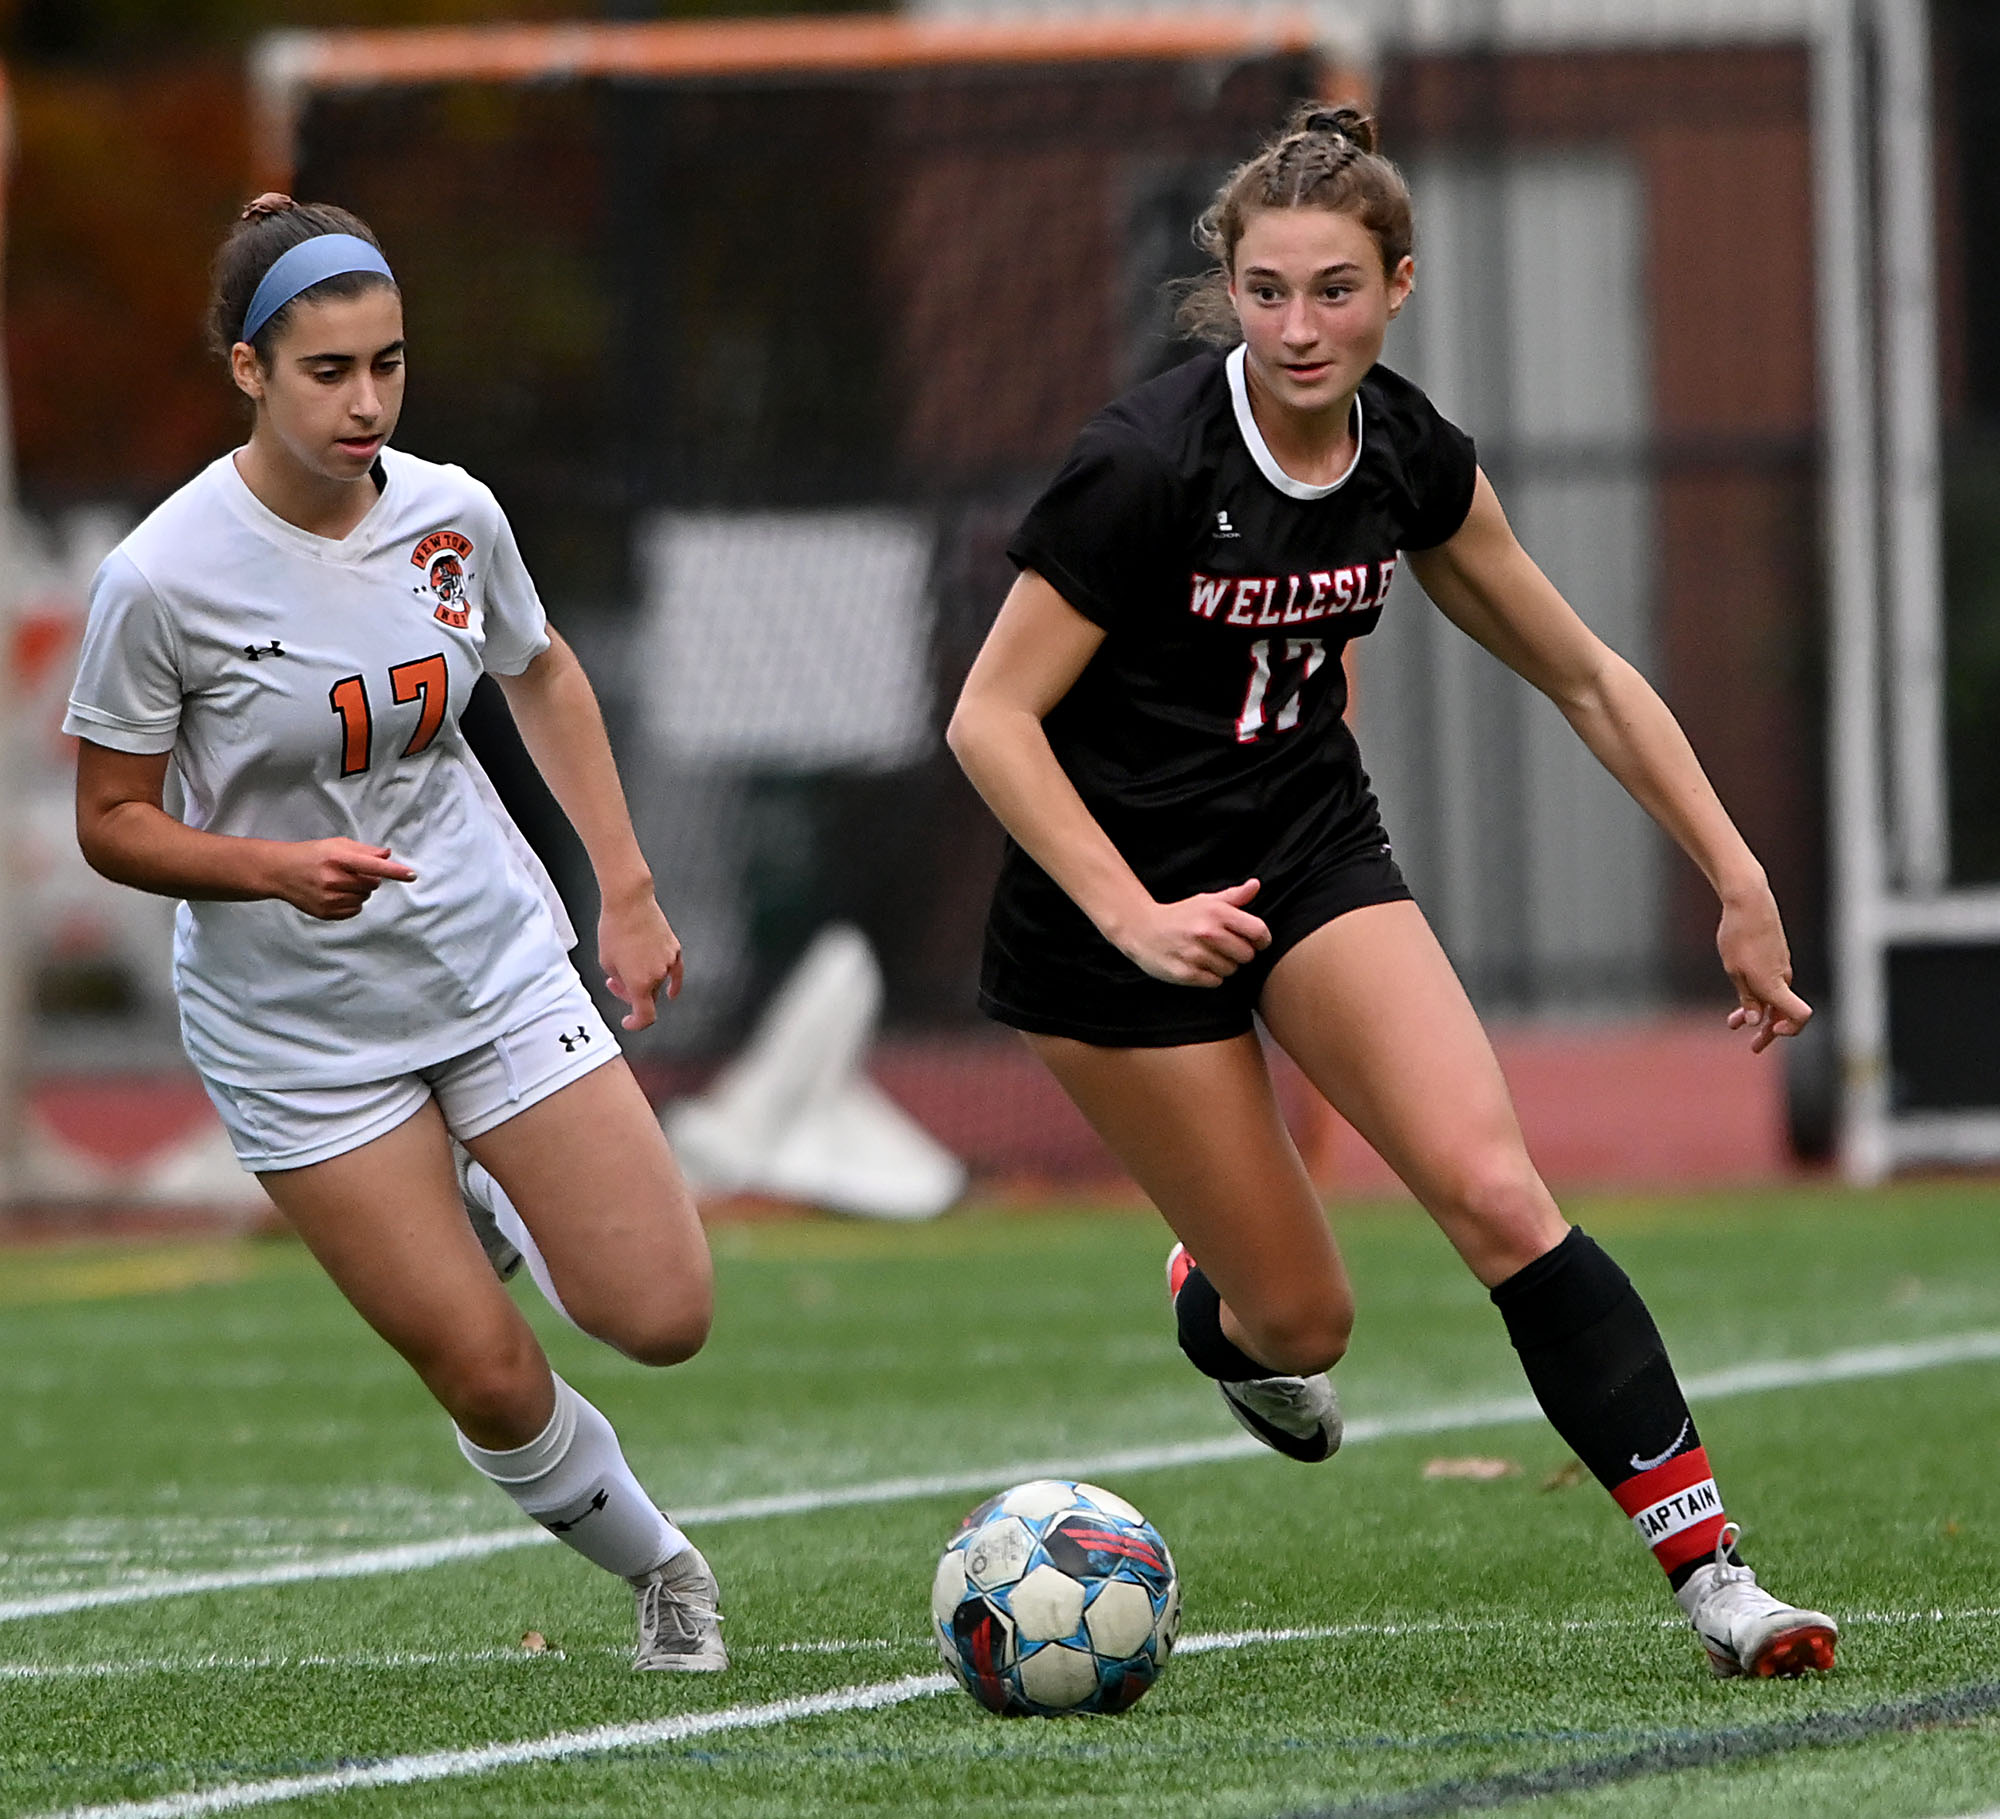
pixel 765 333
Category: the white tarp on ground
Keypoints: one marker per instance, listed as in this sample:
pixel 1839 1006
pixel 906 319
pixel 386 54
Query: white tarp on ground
pixel 796 1116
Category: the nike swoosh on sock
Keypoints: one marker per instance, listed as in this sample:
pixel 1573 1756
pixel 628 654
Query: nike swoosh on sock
pixel 1646 1465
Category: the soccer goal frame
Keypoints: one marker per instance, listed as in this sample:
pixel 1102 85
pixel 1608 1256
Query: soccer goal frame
pixel 1880 487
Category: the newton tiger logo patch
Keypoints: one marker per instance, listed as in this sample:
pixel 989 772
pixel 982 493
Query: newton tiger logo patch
pixel 443 556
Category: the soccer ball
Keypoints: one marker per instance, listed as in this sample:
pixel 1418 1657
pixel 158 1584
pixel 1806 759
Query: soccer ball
pixel 1056 1597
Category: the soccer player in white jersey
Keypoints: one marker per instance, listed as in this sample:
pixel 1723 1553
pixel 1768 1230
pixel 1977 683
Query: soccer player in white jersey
pixel 368 958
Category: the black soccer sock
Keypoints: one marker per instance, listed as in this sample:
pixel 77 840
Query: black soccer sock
pixel 1599 1368
pixel 1198 1313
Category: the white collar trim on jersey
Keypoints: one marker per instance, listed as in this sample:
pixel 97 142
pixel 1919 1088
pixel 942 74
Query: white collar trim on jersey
pixel 1260 450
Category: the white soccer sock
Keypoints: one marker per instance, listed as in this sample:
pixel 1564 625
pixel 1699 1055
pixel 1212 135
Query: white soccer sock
pixel 573 1479
pixel 491 1195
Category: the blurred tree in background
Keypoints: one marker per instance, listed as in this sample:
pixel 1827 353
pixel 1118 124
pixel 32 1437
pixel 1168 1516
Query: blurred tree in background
pixel 131 159
pixel 122 184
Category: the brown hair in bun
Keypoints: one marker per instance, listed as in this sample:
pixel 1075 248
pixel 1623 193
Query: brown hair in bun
pixel 269 226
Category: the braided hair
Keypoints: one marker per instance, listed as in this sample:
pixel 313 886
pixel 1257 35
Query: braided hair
pixel 1323 157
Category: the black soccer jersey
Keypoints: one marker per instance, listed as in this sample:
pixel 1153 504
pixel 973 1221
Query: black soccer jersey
pixel 1206 735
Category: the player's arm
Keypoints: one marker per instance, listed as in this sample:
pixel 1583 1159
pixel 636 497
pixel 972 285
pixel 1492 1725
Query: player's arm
pixel 556 710
pixel 127 834
pixel 1488 585
pixel 1036 650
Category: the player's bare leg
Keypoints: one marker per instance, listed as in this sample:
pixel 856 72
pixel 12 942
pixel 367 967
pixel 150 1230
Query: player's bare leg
pixel 387 1224
pixel 1198 1128
pixel 592 1178
pixel 1369 1007
pixel 1268 1310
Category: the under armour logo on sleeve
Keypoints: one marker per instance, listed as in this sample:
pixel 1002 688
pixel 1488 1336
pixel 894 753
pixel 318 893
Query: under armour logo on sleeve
pixel 258 652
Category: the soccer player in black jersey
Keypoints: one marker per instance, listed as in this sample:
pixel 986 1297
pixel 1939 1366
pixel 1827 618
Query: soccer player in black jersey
pixel 1157 719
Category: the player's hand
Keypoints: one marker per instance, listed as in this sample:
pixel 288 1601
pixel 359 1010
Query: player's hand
pixel 1198 940
pixel 332 879
pixel 1751 941
pixel 640 954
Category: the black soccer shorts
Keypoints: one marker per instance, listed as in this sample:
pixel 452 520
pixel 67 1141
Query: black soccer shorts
pixel 1048 971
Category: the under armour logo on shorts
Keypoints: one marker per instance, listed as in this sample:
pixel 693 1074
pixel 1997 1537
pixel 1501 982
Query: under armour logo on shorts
pixel 569 1042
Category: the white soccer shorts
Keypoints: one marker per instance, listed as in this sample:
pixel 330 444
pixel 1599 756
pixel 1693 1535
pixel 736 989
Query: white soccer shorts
pixel 293 1128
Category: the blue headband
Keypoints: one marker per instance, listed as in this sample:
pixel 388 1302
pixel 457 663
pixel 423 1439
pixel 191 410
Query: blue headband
pixel 311 262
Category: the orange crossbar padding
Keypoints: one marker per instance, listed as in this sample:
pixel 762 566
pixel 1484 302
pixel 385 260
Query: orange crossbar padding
pixel 736 47
pixel 287 66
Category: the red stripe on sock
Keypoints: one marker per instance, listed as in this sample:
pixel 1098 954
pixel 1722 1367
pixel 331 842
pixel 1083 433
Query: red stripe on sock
pixel 1691 1544
pixel 1645 1489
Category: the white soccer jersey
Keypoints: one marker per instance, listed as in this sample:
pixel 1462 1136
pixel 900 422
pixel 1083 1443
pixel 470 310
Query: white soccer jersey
pixel 309 688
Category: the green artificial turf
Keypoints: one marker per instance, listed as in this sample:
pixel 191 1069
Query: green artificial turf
pixel 205 1408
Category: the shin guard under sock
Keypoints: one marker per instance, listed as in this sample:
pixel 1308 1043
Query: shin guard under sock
pixel 572 1478
pixel 1599 1368
pixel 1198 1314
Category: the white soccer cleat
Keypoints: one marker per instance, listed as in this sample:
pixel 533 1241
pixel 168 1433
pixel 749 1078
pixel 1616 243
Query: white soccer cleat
pixel 501 1252
pixel 1296 1416
pixel 680 1628
pixel 1747 1631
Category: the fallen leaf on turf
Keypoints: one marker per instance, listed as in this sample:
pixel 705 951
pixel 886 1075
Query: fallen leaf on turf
pixel 1566 1476
pixel 1475 1468
pixel 534 1643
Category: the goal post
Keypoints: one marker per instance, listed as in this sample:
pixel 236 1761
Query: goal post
pixel 1915 956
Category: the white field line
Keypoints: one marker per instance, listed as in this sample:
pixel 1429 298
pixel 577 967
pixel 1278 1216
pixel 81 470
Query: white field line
pixel 373 1660
pixel 482 1759
pixel 1189 1645
pixel 1711 1386
pixel 451 1765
